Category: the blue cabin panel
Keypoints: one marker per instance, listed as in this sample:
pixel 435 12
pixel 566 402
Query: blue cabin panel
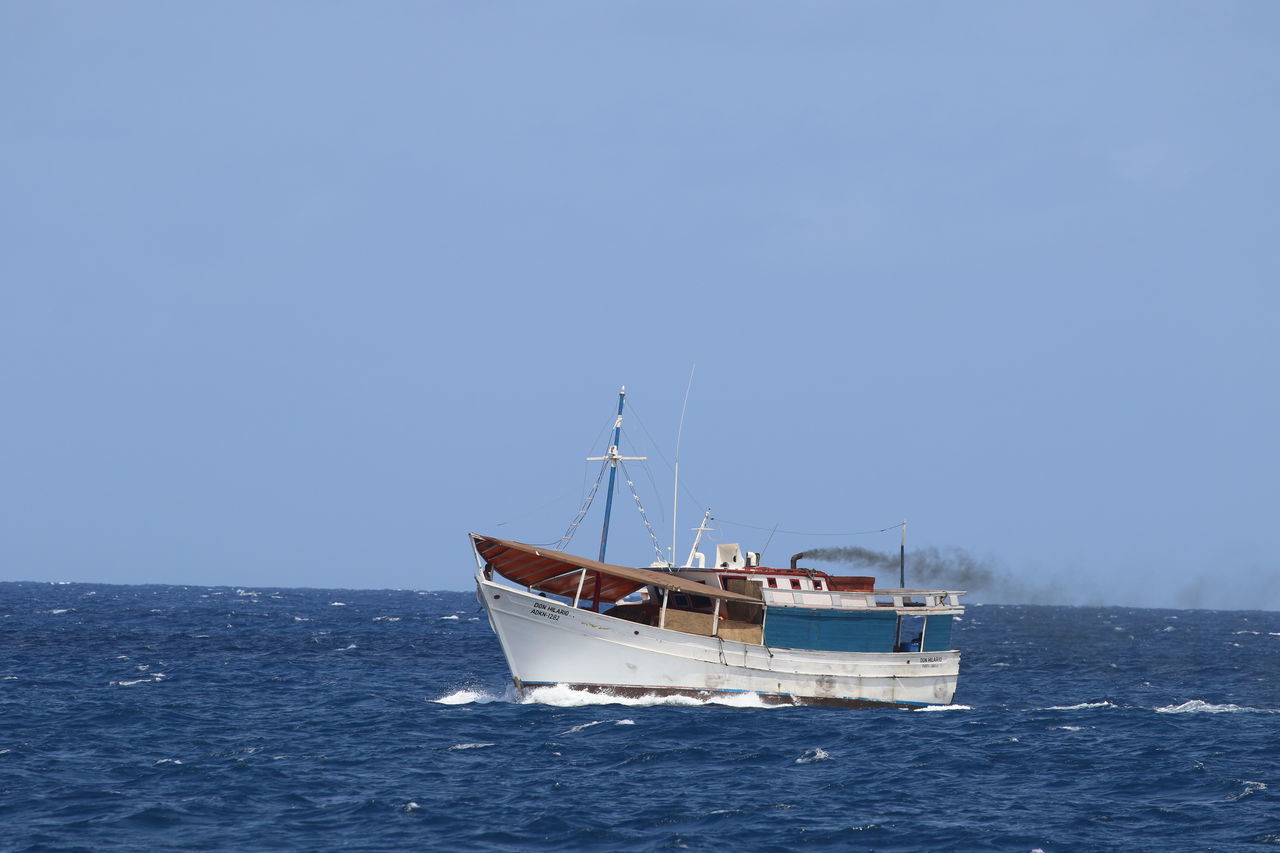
pixel 937 634
pixel 832 630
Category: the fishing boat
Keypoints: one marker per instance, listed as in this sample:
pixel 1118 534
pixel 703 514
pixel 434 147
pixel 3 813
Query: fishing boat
pixel 793 635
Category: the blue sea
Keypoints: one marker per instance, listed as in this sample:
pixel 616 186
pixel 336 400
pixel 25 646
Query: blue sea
pixel 194 718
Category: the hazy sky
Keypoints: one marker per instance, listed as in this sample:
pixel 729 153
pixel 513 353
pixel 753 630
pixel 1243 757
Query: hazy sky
pixel 298 294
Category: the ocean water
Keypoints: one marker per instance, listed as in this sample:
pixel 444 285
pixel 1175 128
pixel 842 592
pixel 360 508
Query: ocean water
pixel 191 718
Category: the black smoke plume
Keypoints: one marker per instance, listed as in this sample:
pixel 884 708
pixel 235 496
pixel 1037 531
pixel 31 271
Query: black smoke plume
pixel 951 568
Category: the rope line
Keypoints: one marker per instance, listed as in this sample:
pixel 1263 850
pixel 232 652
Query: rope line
pixel 567 537
pixel 807 533
pixel 653 537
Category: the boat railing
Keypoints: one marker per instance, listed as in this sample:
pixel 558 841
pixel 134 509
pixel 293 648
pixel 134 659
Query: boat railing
pixel 898 599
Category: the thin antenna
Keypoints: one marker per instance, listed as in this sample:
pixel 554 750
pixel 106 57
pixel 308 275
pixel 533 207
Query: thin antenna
pixel 902 557
pixel 675 489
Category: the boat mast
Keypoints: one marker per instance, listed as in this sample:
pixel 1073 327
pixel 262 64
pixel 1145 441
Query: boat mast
pixel 613 458
pixel 697 540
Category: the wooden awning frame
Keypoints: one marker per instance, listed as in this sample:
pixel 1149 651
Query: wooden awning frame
pixel 558 573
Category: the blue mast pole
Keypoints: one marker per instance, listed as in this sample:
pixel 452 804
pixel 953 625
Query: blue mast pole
pixel 613 458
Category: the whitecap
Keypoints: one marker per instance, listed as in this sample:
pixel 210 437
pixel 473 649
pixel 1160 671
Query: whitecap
pixel 812 755
pixel 1200 706
pixel 1167 629
pixel 1083 706
pixel 625 723
pixel 1070 728
pixel 301 619
pixel 337 604
pixel 459 746
pixel 58 612
pixel 347 648
pixel 583 727
pixel 453 617
pixel 467 697
pixel 1249 788
pixel 946 708
pixel 167 761
pixel 564 696
pixel 411 806
pixel 386 619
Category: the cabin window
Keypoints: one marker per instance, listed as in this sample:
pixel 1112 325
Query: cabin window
pixel 773 583
pixel 795 583
pixel 817 584
pixel 911 630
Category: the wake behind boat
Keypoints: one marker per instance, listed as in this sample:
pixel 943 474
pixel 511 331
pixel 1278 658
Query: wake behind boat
pixel 791 635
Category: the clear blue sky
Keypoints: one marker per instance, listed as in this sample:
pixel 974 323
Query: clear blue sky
pixel 298 294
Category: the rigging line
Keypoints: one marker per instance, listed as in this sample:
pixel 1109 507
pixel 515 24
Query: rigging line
pixel 541 506
pixel 653 537
pixel 595 442
pixel 767 541
pixel 567 536
pixel 656 449
pixel 806 533
pixel 684 487
pixel 662 509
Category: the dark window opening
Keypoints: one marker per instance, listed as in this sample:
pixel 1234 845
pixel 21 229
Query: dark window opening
pixel 795 583
pixel 773 583
pixel 910 633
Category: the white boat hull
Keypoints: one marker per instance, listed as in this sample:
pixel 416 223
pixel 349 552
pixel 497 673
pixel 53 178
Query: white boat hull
pixel 546 642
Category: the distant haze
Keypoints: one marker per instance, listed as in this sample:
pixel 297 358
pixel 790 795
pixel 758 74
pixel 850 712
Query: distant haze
pixel 300 294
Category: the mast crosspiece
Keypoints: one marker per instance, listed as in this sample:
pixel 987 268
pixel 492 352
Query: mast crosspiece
pixel 613 457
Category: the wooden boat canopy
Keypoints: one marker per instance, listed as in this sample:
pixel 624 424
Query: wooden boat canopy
pixel 558 573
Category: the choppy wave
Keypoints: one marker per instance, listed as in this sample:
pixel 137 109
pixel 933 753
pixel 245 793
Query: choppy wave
pixel 585 726
pixel 1197 706
pixel 1249 788
pixel 468 696
pixel 563 696
pixel 262 738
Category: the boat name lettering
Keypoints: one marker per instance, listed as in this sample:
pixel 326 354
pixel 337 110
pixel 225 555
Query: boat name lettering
pixel 929 660
pixel 547 611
